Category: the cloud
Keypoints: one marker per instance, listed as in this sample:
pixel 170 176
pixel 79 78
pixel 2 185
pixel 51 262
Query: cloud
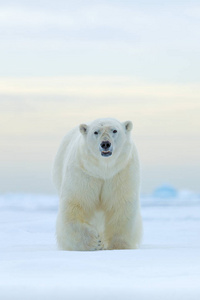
pixel 90 87
pixel 154 42
pixel 103 21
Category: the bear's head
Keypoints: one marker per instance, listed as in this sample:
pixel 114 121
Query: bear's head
pixel 106 138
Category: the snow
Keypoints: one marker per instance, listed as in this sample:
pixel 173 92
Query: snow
pixel 167 266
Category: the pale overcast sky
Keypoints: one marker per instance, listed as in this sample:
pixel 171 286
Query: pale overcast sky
pixel 65 62
pixel 150 40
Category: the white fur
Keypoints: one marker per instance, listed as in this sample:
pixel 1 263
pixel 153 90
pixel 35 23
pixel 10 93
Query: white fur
pixel 99 196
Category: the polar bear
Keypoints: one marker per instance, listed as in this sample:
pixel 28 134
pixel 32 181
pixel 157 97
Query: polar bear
pixel 96 173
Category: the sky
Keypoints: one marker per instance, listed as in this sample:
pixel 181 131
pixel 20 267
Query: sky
pixel 67 62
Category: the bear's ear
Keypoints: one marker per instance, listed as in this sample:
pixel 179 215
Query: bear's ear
pixel 128 125
pixel 83 128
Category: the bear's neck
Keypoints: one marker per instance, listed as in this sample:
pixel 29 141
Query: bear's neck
pixel 104 168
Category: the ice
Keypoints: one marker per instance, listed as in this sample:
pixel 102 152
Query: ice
pixel 165 191
pixel 167 266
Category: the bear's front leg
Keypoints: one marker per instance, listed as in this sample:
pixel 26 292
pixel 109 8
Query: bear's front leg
pixel 123 228
pixel 120 200
pixel 119 230
pixel 74 232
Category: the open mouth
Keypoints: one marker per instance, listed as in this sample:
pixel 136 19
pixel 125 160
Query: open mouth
pixel 106 153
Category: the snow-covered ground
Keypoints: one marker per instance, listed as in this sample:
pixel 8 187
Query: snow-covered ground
pixel 166 267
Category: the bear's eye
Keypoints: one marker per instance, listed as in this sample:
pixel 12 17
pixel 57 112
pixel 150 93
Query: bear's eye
pixel 96 132
pixel 115 131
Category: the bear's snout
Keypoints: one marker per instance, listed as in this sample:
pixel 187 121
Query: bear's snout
pixel 105 145
pixel 105 148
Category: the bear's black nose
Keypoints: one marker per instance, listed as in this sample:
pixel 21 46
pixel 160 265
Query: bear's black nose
pixel 105 145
